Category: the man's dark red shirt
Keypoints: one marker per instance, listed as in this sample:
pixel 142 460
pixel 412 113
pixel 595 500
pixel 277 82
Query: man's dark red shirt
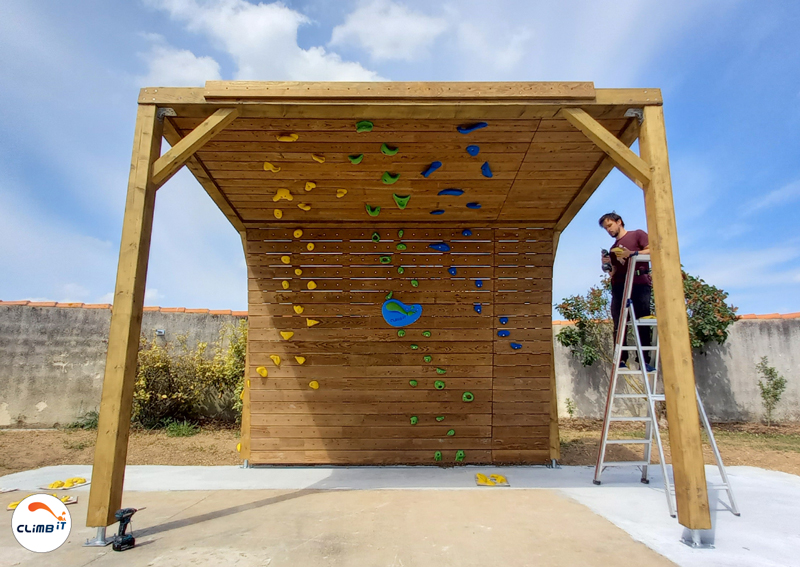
pixel 634 240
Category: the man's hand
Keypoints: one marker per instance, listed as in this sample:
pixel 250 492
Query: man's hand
pixel 621 252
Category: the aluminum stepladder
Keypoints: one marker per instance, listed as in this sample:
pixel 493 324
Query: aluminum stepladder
pixel 647 393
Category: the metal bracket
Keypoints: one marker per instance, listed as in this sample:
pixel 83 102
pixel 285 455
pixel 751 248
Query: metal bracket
pixel 637 113
pixel 553 464
pixel 246 464
pixel 166 111
pixel 694 539
pixel 99 540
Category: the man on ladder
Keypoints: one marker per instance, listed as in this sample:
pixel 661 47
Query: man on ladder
pixel 625 243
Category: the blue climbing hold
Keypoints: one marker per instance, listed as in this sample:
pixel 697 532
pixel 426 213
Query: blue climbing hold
pixel 473 150
pixel 471 127
pixel 473 205
pixel 438 212
pixel 503 320
pixel 486 170
pixel 440 246
pixel 453 192
pixel 451 271
pixel 466 232
pixel 398 314
pixel 503 333
pixel 478 308
pixel 478 283
pixel 516 346
pixel 431 168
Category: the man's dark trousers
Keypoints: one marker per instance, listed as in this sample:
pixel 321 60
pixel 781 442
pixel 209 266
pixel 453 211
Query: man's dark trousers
pixel 640 294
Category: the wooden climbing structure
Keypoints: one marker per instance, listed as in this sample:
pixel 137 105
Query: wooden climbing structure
pixel 399 239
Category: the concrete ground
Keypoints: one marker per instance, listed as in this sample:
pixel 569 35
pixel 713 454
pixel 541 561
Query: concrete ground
pixel 417 516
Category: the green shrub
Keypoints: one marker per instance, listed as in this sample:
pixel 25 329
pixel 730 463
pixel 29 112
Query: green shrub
pixel 181 428
pixel 570 407
pixel 771 387
pixel 86 421
pixel 709 315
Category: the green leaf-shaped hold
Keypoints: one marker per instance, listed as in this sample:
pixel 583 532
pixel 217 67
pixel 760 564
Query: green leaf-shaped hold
pixel 412 383
pixel 372 211
pixel 401 333
pixel 388 178
pixel 356 159
pixel 441 371
pixel 467 397
pixel 451 432
pixel 402 246
pixel 437 456
pixel 401 270
pixel 376 237
pixel 402 201
pixel 387 151
pixel 460 456
pixel 439 418
pixel 414 283
pixel 439 385
pixel 389 295
pixel 414 347
pixel 364 126
pixel 427 358
pixel 426 333
pixel 414 420
pixel 386 259
pixel 400 233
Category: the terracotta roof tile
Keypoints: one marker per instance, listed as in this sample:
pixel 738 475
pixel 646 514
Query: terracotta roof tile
pixel 97 306
pixel 239 313
pixel 173 309
pixel 59 304
pixel 14 302
pixel 791 315
pixel 42 304
pixel 151 308
pixel 220 312
pixel 196 311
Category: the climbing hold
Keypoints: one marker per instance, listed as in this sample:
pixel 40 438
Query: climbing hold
pixel 439 418
pixel 441 371
pixel 311 322
pixel 440 246
pixel 298 233
pixel 437 456
pixel 310 185
pixel 503 320
pixel 278 213
pixel 414 347
pixel 414 420
pixel 385 259
pixel 388 151
pixel 341 193
pixel 426 333
pixel 437 212
pixel 262 371
pixel 311 285
pixel 467 397
pixel 451 432
pixel 298 309
pixel 286 137
pixel 300 359
pixel 466 129
pixel 452 192
pixel 298 272
pixel 287 334
pixel 364 126
pixel 355 159
pixel 503 333
pixel 248 382
pixel 269 167
pixel 478 283
pixel 401 333
pixel 319 158
pixel 376 237
pixel 398 314
pixel 486 170
pixel 401 270
pixel 401 201
pixel 414 283
pixel 402 246
pixel 473 205
pixel 389 178
pixel 238 447
pixel 276 359
pixel 310 246
pixel 431 168
pixel 372 211
pixel 285 284
pixel 282 194
pixel 478 308
pixel 389 295
pixel 400 233
pixel 452 270
pixel 304 206
pixel 314 385
pixel 460 456
pixel 412 383
pixel 516 346
pixel 473 150
pixel 439 385
pixel 285 259
pixel 466 232
pixel 427 358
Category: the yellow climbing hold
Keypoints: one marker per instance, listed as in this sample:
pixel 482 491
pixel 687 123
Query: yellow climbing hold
pixel 299 309
pixel 311 285
pixel 310 246
pixel 238 447
pixel 278 213
pixel 310 185
pixel 269 167
pixel 304 206
pixel 298 233
pixel 248 383
pixel 314 385
pixel 300 359
pixel 285 259
pixel 341 193
pixel 312 322
pixel 276 359
pixel 318 158
pixel 286 137
pixel 282 194
pixel 491 480
pixel 298 272
pixel 285 284
pixel 287 334
pixel 241 395
pixel 262 371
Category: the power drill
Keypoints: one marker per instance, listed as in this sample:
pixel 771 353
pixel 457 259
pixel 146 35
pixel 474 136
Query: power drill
pixel 122 540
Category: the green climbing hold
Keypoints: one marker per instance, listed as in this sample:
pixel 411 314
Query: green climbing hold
pixel 400 233
pixel 401 333
pixel 427 358
pixel 356 159
pixel 386 259
pixel 439 385
pixel 467 397
pixel 401 270
pixel 401 246
pixel 389 295
pixel 373 211
pixel 364 126
pixel 426 333
pixel 437 456
pixel 388 178
pixel 414 283
pixel 387 151
pixel 451 432
pixel 414 347
pixel 412 383
pixel 440 371
pixel 376 237
pixel 439 418
pixel 402 202
pixel 460 456
pixel 414 420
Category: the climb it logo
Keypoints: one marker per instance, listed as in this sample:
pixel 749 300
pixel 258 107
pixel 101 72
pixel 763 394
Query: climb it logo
pixel 41 523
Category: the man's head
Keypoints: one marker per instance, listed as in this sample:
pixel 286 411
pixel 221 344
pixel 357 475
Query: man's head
pixel 613 224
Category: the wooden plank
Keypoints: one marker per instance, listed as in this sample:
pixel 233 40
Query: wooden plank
pixel 402 408
pixel 352 397
pixel 517 457
pixel 438 324
pixel 337 152
pixel 371 384
pixel 336 360
pixel 260 420
pixel 404 372
pixel 423 298
pixel 554 436
pixel 673 331
pixel 300 126
pixel 263 444
pixel 323 336
pixel 474 456
pixel 399 139
pixel 108 471
pixel 397 432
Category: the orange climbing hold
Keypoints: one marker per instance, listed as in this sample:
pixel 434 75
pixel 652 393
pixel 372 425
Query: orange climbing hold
pixel 282 194
pixel 262 371
pixel 300 359
pixel 287 334
pixel 299 309
pixel 312 322
pixel 269 167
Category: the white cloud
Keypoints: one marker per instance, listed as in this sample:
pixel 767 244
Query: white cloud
pixel 169 66
pixel 483 43
pixel 785 194
pixel 747 268
pixel 262 40
pixel 389 30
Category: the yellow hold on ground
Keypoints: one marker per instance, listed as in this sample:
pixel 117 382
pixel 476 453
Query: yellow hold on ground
pixel 490 480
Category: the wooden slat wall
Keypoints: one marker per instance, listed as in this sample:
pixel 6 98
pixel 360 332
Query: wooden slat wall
pixel 361 412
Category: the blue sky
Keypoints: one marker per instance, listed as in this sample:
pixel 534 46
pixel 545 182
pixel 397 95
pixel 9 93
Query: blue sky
pixel 71 71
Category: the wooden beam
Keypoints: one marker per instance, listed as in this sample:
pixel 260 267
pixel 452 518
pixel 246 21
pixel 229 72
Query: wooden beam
pixel 245 434
pixel 673 330
pixel 627 137
pixel 555 438
pixel 173 136
pixel 168 165
pixel 111 449
pixel 634 167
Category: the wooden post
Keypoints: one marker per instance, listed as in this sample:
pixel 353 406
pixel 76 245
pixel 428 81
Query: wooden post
pixel 555 438
pixel 673 328
pixel 245 437
pixel 111 450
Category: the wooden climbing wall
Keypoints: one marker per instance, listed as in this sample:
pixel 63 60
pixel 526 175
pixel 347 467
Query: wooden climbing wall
pixel 377 400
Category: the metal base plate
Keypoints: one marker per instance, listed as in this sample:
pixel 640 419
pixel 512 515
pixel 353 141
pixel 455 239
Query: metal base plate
pixel 99 540
pixel 695 539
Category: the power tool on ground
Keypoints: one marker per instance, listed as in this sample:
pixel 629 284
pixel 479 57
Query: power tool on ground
pixel 122 540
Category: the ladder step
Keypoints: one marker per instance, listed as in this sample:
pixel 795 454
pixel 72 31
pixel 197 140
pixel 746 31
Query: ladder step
pixel 625 463
pixel 628 442
pixel 646 323
pixel 628 371
pixel 633 348
pixel 629 419
pixel 655 397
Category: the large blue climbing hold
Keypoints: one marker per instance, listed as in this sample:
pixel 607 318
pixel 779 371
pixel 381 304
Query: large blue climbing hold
pixel 398 314
pixel 486 170
pixel 478 283
pixel 473 205
pixel 453 192
pixel 440 246
pixel 431 168
pixel 516 346
pixel 503 320
pixel 466 232
pixel 503 333
pixel 438 212
pixel 451 271
pixel 471 127
pixel 473 150
pixel 478 308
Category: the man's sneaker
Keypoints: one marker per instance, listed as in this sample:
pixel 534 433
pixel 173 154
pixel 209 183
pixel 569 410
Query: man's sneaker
pixel 622 364
pixel 649 368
